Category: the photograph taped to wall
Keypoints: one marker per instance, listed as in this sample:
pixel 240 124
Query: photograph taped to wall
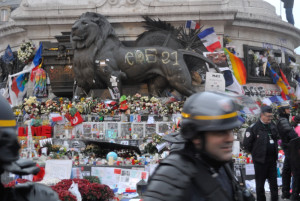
pixel 78 131
pixel 164 127
pixel 125 129
pixel 150 129
pixel 111 133
pixel 112 125
pixel 137 131
pixel 218 58
pixel 59 131
pixel 101 130
pixel 95 130
pixel 87 130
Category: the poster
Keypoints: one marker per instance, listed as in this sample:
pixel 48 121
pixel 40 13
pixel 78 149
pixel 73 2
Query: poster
pixel 60 169
pixel 87 130
pixel 137 131
pixel 163 128
pixel 119 177
pixel 125 130
pixel 111 134
pixel 218 58
pixel 214 82
pixel 111 131
pixel 150 129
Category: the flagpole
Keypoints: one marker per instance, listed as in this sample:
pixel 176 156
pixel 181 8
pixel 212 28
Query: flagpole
pixel 280 8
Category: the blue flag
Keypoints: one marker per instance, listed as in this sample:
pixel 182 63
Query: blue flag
pixel 38 56
pixel 8 55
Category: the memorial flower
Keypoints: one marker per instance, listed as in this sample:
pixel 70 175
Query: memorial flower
pixel 89 191
pixel 26 51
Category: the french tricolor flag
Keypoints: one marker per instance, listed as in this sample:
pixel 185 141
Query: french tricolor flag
pixel 210 39
pixel 192 24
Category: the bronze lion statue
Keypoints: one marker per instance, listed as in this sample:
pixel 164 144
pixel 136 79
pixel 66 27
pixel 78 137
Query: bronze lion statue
pixel 101 60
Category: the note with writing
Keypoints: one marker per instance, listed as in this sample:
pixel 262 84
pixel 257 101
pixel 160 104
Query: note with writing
pixel 60 169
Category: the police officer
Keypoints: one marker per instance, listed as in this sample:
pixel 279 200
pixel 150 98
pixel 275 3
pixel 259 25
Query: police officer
pixel 261 141
pixel 200 171
pixel 286 133
pixel 10 162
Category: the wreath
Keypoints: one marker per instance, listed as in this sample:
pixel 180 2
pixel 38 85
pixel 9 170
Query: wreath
pixel 26 51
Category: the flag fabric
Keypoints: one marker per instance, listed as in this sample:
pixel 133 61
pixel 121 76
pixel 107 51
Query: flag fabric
pixel 55 117
pixel 192 24
pixel 210 39
pixel 17 89
pixel 40 84
pixel 77 119
pixel 21 81
pixel 38 56
pixel 231 82
pixel 285 80
pixel 8 55
pixel 237 67
pixel 18 85
pixel 277 80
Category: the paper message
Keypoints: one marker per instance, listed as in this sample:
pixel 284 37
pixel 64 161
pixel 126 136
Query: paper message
pixel 60 169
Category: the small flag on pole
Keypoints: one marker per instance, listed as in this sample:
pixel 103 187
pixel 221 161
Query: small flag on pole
pixel 210 39
pixel 192 24
pixel 8 55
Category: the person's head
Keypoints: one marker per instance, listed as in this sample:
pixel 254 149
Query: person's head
pixel 266 114
pixel 9 146
pixel 207 121
pixel 284 109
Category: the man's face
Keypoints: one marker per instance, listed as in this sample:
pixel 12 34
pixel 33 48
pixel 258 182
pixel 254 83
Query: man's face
pixel 218 144
pixel 287 111
pixel 266 117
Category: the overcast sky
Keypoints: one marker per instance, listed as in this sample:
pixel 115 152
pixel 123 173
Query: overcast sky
pixel 278 4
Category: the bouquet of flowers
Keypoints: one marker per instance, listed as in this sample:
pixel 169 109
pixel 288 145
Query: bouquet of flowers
pixel 26 51
pixel 89 191
pixel 151 143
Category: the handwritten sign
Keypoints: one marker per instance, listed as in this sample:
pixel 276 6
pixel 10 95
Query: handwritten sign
pixel 60 169
pixel 249 169
pixel 214 82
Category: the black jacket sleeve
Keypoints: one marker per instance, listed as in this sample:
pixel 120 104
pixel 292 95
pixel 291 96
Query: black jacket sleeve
pixel 249 138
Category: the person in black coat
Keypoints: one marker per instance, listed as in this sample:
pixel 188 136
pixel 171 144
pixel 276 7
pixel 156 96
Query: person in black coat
pixel 286 133
pixel 261 141
pixel 288 5
pixel 201 170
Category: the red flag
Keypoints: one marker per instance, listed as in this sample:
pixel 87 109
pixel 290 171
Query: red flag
pixel 284 79
pixel 77 119
pixel 283 95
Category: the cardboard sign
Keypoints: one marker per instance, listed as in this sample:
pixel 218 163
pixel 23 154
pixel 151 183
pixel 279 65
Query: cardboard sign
pixel 60 169
pixel 214 82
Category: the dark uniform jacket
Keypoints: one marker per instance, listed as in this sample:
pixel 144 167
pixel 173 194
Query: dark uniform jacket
pixel 185 178
pixel 286 132
pixel 257 141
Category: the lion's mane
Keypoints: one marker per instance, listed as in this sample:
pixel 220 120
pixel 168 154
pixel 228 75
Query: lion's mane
pixel 88 35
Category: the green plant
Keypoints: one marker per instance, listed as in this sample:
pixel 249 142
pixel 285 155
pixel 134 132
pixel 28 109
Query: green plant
pixel 92 179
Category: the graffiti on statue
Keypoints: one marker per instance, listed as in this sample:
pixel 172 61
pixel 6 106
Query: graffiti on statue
pixel 151 56
pixel 102 61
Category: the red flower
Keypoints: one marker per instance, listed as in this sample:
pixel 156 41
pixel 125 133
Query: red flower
pixel 14 182
pixel 89 191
